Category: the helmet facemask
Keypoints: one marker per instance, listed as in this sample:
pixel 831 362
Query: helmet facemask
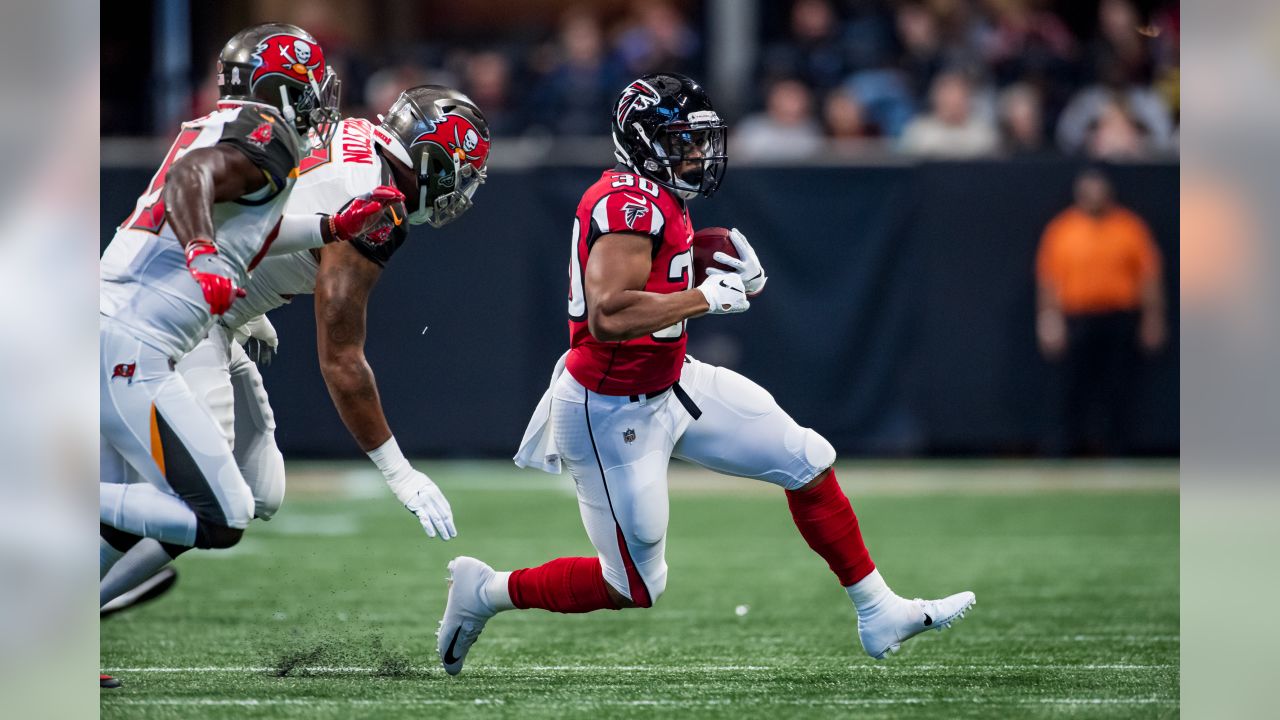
pixel 315 110
pixel 451 180
pixel 688 158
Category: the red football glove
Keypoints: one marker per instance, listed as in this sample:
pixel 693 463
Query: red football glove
pixel 214 275
pixel 364 213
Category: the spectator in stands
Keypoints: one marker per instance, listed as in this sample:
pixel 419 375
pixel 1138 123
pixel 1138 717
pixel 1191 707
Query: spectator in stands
pixel 1021 120
pixel 487 81
pixel 1115 135
pixel 814 52
pixel 845 118
pixel 582 79
pixel 786 129
pixel 918 34
pixel 1119 43
pixel 657 38
pixel 1124 76
pixel 1100 297
pixel 1027 39
pixel 951 129
pixel 384 86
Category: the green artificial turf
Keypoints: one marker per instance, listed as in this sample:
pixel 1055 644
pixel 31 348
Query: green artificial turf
pixel 330 610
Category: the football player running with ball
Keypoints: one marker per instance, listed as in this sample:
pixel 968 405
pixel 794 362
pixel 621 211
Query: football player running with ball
pixel 212 212
pixel 626 398
pixel 433 146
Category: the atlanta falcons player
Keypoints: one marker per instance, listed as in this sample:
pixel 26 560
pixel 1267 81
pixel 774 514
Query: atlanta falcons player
pixel 433 145
pixel 212 212
pixel 626 398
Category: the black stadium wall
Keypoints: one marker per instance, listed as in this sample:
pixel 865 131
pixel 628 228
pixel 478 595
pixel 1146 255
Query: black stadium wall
pixel 898 320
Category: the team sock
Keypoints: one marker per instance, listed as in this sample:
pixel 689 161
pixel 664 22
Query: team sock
pixel 564 585
pixel 826 521
pixel 141 509
pixel 141 562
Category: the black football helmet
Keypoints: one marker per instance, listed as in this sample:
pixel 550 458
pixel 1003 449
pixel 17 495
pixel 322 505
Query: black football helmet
pixel 443 137
pixel 665 129
pixel 282 65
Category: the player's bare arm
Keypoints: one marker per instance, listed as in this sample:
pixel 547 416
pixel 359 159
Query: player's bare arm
pixel 201 178
pixel 617 306
pixel 343 284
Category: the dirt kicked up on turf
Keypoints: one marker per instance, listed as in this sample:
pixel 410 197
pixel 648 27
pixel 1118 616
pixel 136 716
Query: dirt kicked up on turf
pixel 329 610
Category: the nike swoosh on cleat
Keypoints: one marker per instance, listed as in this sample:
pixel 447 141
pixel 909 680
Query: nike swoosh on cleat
pixel 927 620
pixel 449 659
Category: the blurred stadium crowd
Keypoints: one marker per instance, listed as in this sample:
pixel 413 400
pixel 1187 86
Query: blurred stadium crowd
pixel 842 78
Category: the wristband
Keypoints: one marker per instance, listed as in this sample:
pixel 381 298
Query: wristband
pixel 198 246
pixel 389 459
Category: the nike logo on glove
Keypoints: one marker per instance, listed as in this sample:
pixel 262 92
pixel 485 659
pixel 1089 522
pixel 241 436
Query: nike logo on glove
pixel 727 287
pixel 449 659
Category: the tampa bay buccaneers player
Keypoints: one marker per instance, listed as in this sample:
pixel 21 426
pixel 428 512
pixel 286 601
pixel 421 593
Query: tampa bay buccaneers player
pixel 626 397
pixel 433 145
pixel 212 212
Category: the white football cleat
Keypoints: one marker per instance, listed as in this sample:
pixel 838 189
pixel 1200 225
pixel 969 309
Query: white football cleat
pixel 883 628
pixel 465 613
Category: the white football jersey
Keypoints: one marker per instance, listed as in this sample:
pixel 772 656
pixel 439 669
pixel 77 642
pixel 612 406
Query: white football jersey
pixel 327 179
pixel 145 285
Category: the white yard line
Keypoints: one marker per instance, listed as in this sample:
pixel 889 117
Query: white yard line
pixel 343 669
pixel 671 703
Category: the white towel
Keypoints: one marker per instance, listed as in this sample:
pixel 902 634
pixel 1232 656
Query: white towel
pixel 538 446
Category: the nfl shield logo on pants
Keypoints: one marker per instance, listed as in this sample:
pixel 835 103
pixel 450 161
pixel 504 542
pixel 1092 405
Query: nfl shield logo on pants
pixel 629 436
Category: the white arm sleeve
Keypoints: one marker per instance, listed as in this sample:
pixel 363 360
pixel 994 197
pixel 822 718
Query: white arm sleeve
pixel 298 232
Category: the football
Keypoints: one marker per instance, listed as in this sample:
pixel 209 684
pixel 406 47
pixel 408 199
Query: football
pixel 706 243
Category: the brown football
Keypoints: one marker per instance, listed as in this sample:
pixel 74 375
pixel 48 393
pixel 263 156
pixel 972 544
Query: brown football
pixel 706 243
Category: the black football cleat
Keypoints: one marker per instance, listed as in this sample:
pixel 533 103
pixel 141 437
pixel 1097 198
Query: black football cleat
pixel 150 589
pixel 106 681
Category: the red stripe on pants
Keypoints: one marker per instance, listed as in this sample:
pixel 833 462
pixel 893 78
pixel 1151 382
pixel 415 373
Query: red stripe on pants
pixel 639 593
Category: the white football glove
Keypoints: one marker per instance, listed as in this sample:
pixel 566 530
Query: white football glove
pixel 260 341
pixel 725 293
pixel 424 499
pixel 746 265
pixel 415 490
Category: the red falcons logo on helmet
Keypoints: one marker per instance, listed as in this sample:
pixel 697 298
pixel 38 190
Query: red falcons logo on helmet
pixel 638 96
pixel 459 137
pixel 288 55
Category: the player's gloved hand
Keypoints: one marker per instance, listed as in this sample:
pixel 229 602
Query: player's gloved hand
pixel 725 293
pixel 362 214
pixel 746 264
pixel 415 490
pixel 424 499
pixel 259 338
pixel 214 274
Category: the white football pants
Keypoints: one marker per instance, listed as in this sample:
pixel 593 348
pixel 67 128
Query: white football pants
pixel 154 432
pixel 227 382
pixel 617 448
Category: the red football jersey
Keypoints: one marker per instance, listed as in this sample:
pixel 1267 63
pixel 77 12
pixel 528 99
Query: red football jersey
pixel 621 201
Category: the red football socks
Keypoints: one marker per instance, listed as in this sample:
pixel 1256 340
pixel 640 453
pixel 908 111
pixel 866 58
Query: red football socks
pixel 564 585
pixel 826 520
